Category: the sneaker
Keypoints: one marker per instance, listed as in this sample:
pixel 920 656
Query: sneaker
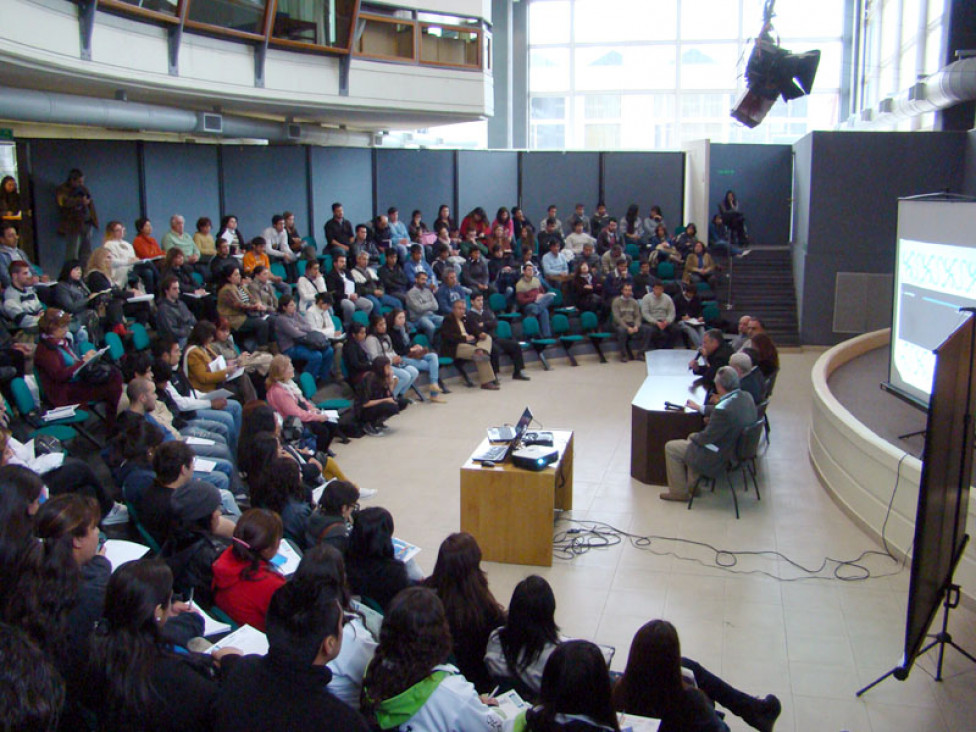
pixel 366 493
pixel 118 515
pixel 371 430
pixel 744 253
pixel 519 376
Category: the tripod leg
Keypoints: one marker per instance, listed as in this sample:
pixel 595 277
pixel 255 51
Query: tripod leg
pixel 876 682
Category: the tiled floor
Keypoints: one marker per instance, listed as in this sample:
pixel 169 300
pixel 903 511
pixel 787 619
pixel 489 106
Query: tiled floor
pixel 813 642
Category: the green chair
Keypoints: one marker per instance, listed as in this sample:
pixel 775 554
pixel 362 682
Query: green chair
pixel 498 305
pixel 634 267
pixel 115 348
pixel 309 241
pixel 84 347
pixel 443 362
pixel 679 230
pixel 360 317
pixel 632 250
pixel 197 277
pixel 64 429
pixel 301 265
pixel 143 531
pixel 665 271
pixel 140 338
pixel 560 329
pixel 591 329
pixel 326 260
pixel 558 306
pixel 533 334
pixel 710 312
pixel 278 270
pixel 306 382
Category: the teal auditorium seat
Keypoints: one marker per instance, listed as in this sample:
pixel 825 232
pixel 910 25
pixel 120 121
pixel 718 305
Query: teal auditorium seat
pixel 591 329
pixel 561 330
pixel 532 333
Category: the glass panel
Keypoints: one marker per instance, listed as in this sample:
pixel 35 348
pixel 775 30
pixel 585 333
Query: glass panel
pixel 831 60
pixel 647 120
pixel 610 21
pixel 712 19
pixel 602 106
pixel 908 74
pixel 241 15
pixel 889 30
pixel 705 105
pixel 602 137
pixel 318 22
pixel 548 108
pixel 448 46
pixel 8 159
pixel 549 22
pixel 710 66
pixel 549 69
pixel 622 67
pixel 800 19
pixel 936 11
pixel 166 7
pixel 933 51
pixel 911 11
pixel 548 136
pixel 387 39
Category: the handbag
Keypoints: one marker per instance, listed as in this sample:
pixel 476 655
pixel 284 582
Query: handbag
pixel 316 340
pixel 98 373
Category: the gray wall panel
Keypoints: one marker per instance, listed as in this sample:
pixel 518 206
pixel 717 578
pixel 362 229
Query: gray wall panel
pixel 647 179
pixel 969 176
pixel 260 181
pixel 343 175
pixel 762 178
pixel 411 179
pixel 181 179
pixel 564 179
pixel 488 179
pixel 803 177
pixel 111 174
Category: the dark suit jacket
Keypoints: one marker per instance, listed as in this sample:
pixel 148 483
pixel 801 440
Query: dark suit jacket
pixel 451 336
pixel 716 361
pixel 734 412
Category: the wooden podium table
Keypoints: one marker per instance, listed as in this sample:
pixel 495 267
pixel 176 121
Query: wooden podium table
pixel 510 510
pixel 651 425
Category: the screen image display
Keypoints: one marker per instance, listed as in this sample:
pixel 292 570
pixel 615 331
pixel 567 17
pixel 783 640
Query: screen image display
pixel 935 276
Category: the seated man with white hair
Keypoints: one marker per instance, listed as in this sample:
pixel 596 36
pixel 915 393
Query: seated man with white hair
pixel 707 451
pixel 739 342
pixel 751 379
pixel 178 237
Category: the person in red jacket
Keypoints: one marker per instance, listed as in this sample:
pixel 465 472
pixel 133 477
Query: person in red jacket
pixel 58 367
pixel 244 577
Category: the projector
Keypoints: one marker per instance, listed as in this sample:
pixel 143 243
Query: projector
pixel 536 457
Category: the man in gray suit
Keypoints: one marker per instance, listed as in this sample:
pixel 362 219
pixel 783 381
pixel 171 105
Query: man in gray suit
pixel 707 451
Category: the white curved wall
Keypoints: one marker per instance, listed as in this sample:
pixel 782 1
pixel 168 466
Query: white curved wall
pixel 859 469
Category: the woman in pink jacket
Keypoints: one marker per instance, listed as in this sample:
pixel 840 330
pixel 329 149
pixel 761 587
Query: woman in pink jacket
pixel 286 399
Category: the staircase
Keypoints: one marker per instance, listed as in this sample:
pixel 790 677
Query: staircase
pixel 762 286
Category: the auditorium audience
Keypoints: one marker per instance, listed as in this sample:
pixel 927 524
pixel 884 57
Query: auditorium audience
pixel 287 399
pixel 658 312
pixel 372 569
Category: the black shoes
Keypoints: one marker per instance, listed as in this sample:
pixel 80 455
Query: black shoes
pixel 519 376
pixel 764 714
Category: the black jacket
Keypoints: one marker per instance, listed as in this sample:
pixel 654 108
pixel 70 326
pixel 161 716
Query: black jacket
pixel 190 553
pixel 379 578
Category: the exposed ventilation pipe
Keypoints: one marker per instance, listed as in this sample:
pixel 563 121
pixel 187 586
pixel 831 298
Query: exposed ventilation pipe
pixel 28 105
pixel 954 84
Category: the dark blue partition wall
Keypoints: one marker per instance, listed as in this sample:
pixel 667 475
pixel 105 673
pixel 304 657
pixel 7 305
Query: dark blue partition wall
pixel 487 178
pixel 412 179
pixel 564 179
pixel 181 179
pixel 647 179
pixel 340 175
pixel 260 181
pixel 762 178
pixel 111 173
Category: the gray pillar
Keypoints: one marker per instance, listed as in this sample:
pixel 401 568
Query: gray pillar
pixel 500 125
pixel 520 75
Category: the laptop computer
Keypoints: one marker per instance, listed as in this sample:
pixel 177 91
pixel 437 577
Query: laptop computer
pixel 498 453
pixel 508 433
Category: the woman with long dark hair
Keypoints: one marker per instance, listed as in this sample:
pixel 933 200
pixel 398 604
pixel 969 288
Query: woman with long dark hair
pixel 733 218
pixel 244 577
pixel 371 568
pixel 519 651
pixel 576 693
pixel 472 611
pixel 198 357
pixel 138 681
pixel 375 402
pixel 633 226
pixel 409 684
pixel 230 233
pixel 278 487
pixel 72 295
pixel 21 490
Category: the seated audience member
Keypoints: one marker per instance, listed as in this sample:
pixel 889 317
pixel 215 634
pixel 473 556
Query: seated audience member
pixel 599 219
pixel 611 259
pixel 177 237
pixel 255 364
pixel 354 355
pixel 579 237
pixel 39 705
pixel 134 448
pixel 400 235
pixel 688 458
pixel 173 317
pixel 417 263
pixel 72 295
pixel 575 695
pixel 503 272
pixel 342 287
pixel 136 678
pixel 310 284
pixel 262 290
pixel 222 260
pixel 687 308
pixel 203 367
pixel 368 285
pixel 305 627
pixel 21 305
pixel 459 344
pixel 587 290
pixel 393 278
pixel 59 369
pixel 332 519
pixel 518 652
pixel 375 402
pixel 527 242
pixel 751 379
pixel 279 248
pixel 715 352
pixel 552 213
pixel 298 340
pixel 589 256
pixel 632 227
pixel 654 219
pixel 286 399
pixel 409 683
pixel 363 243
pixel 643 280
pixel 629 325
pixel 175 265
pixel 741 339
pixel 412 355
pixel 519 222
pixel 468 245
pixel 662 250
pixel 657 310
pixel 479 320
pixel 98 273
pixel 10 252
pixel 719 238
pixel 338 232
pixel 733 218
pixel 278 487
pixel 472 611
pixel 379 343
pixel 685 241
pixel 655 684
pixel 699 266
pixel 371 568
pixel 246 317
pixel 123 256
pixel 501 237
pixel 423 306
pixel 255 255
pixel 551 233
pixel 145 245
pixel 417 228
pixel 475 275
pixel 608 237
pixel 555 268
pixel 578 217
pixel 448 293
pixel 230 232
pixel 244 577
pixel 533 299
pixel 195 540
pixel 767 357
pixel 476 221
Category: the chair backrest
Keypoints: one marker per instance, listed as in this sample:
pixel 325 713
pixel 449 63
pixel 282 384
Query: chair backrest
pixel 115 348
pixel 421 340
pixel 22 396
pixel 310 241
pixel 560 324
pixel 557 301
pixel 337 322
pixel 140 338
pixel 83 347
pixel 530 327
pixel 360 317
pixel 747 446
pixel 496 301
pixel 679 230
pixel 589 321
pixel 302 264
pixel 278 270
pixel 306 382
pixel 326 264
pixel 143 531
pixel 710 311
pixel 632 250
pixel 197 277
pixel 665 270
pixel 634 266
pixel 770 384
pixel 504 329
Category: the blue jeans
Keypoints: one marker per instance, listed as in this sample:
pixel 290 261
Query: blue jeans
pixel 428 325
pixel 429 363
pixel 387 300
pixel 317 363
pixel 540 309
pixel 405 378
pixel 230 417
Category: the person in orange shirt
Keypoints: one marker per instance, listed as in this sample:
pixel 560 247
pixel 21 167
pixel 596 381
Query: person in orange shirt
pixel 255 256
pixel 145 245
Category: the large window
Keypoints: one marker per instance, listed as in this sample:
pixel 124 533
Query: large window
pixel 635 74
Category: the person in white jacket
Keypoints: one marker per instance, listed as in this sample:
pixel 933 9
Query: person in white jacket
pixel 408 685
pixel 309 285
